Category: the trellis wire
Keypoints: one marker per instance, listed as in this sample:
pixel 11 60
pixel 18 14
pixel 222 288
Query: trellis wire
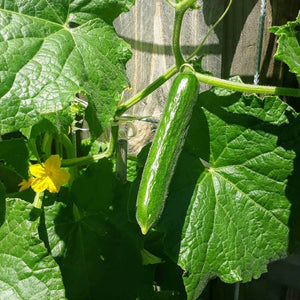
pixel 256 81
pixel 259 41
pixel 236 291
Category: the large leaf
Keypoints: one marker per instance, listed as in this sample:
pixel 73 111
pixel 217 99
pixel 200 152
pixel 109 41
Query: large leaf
pixel 227 211
pixel 108 10
pixel 2 203
pixel 289 45
pixel 44 63
pixel 15 155
pixel 96 249
pixel 27 271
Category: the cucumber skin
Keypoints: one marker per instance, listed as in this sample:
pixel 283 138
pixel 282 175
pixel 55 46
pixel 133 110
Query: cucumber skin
pixel 165 150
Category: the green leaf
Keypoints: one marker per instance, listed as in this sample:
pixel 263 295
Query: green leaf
pixel 15 155
pixel 269 110
pixel 42 126
pixel 10 179
pixel 44 64
pixel 290 139
pixel 55 11
pixel 149 259
pixel 2 203
pixel 95 247
pixel 227 211
pixel 93 190
pixel 90 147
pixel 289 45
pixel 27 271
pixel 82 11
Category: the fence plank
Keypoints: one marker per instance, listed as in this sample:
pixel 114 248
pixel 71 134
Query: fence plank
pixel 231 47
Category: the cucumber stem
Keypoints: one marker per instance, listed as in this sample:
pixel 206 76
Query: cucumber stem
pixel 184 4
pixel 248 88
pixel 33 147
pixel 242 87
pixel 86 160
pixel 146 91
pixel 171 3
pixel 67 145
pixel 83 160
pixel 38 200
pixel 176 37
pixel 47 144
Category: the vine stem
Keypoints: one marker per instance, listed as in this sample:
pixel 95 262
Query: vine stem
pixel 184 5
pixel 171 3
pixel 32 145
pixel 210 80
pixel 70 151
pixel 146 91
pixel 68 145
pixel 196 51
pixel 179 60
pixel 86 160
pixel 38 200
pixel 47 143
pixel 83 160
pixel 248 88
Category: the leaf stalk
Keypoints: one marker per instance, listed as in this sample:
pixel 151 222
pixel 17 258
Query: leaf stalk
pixel 248 88
pixel 146 91
pixel 184 5
pixel 179 60
pixel 38 200
pixel 88 159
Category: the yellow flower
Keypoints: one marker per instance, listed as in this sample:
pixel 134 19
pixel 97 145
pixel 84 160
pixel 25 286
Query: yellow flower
pixel 24 185
pixel 48 175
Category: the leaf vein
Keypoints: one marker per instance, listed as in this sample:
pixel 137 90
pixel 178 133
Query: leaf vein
pixel 249 198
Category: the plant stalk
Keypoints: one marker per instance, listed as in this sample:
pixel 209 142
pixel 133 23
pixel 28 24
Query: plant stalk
pixel 38 200
pixel 179 60
pixel 171 3
pixel 184 5
pixel 67 145
pixel 146 91
pixel 47 144
pixel 248 88
pixel 83 160
pixel 86 160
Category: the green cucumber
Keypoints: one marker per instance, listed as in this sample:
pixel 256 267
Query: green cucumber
pixel 165 150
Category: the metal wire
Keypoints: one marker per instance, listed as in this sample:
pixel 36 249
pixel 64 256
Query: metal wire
pixel 256 81
pixel 237 291
pixel 259 41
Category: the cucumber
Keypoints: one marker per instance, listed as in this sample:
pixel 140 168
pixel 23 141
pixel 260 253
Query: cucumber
pixel 165 150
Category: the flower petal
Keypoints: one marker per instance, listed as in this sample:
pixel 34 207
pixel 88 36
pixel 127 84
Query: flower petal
pixel 40 184
pixel 53 162
pixel 52 187
pixel 24 185
pixel 60 177
pixel 37 170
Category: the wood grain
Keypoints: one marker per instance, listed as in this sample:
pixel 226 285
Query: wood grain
pixel 231 47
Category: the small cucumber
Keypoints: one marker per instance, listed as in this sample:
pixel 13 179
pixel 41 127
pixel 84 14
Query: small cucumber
pixel 165 150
